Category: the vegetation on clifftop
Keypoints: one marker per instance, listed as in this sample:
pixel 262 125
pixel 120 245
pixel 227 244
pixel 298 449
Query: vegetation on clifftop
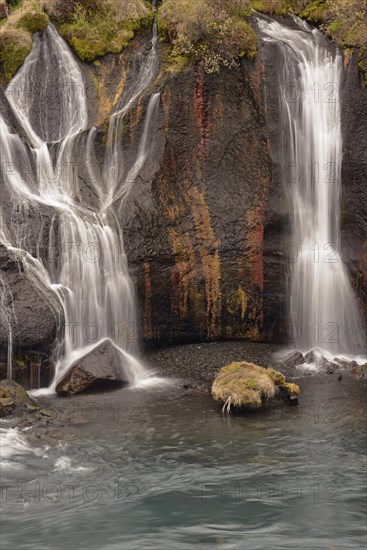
pixel 344 21
pixel 208 31
pixel 97 27
pixel 214 33
pixel 16 37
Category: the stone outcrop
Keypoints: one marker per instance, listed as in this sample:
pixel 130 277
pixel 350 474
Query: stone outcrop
pixel 353 97
pixel 206 224
pixel 194 222
pixel 14 398
pixel 102 368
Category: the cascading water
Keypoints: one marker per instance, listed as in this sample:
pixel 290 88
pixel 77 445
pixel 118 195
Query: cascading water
pixel 89 275
pixel 323 308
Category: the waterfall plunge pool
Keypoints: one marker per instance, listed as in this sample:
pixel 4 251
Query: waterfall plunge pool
pixel 162 468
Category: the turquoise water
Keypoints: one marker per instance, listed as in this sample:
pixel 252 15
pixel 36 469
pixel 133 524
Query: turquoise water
pixel 160 469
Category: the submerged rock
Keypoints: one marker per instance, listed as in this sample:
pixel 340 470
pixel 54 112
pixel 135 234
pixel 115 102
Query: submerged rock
pixel 249 386
pixel 13 397
pixel 101 368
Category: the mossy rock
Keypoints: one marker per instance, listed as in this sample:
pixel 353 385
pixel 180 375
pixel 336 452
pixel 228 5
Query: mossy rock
pixel 93 31
pixel 245 385
pixel 33 21
pixel 14 396
pixel 15 45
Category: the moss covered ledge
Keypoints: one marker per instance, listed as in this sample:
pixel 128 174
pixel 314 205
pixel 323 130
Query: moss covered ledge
pixel 245 385
pixel 96 27
pixel 16 36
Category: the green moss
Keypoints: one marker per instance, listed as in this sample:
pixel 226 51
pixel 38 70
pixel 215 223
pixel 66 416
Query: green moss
pixel 315 12
pixel 334 25
pixel 33 21
pixel 94 33
pixel 276 7
pixel 15 45
pixel 14 4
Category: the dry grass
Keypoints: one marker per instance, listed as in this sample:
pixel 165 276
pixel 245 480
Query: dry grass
pixel 243 385
pixel 246 385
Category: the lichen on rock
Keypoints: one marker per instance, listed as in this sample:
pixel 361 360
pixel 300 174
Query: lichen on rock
pixel 13 396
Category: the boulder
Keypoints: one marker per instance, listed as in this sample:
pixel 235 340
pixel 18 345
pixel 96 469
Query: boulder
pixel 13 398
pixel 103 367
pixel 248 386
pixel 293 359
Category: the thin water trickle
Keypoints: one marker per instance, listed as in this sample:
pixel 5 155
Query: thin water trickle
pixel 323 308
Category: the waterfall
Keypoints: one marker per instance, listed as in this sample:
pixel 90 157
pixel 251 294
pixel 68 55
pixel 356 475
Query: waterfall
pixel 323 309
pixel 90 275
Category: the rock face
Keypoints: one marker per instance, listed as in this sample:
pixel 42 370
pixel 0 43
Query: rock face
pixel 102 368
pixel 248 386
pixel 353 99
pixel 195 223
pixel 29 306
pixel 206 223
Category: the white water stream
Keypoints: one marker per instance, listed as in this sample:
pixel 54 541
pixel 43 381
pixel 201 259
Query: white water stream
pixel 323 309
pixel 90 276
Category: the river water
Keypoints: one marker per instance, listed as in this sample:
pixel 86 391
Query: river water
pixel 159 468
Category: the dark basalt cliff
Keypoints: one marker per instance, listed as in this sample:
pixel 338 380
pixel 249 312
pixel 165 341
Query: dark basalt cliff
pixel 194 232
pixel 354 178
pixel 206 223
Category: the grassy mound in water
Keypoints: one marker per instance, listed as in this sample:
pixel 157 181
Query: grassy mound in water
pixel 246 385
pixel 97 27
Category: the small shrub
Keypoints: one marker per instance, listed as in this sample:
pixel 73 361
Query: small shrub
pixel 94 32
pixel 208 31
pixel 15 45
pixel 33 21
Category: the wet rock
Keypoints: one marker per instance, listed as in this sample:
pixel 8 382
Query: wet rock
pixel 248 386
pixel 34 311
pixel 360 371
pixel 312 357
pixel 330 368
pixel 353 108
pixel 344 363
pixel 194 219
pixel 14 398
pixel 102 368
pixel 293 359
